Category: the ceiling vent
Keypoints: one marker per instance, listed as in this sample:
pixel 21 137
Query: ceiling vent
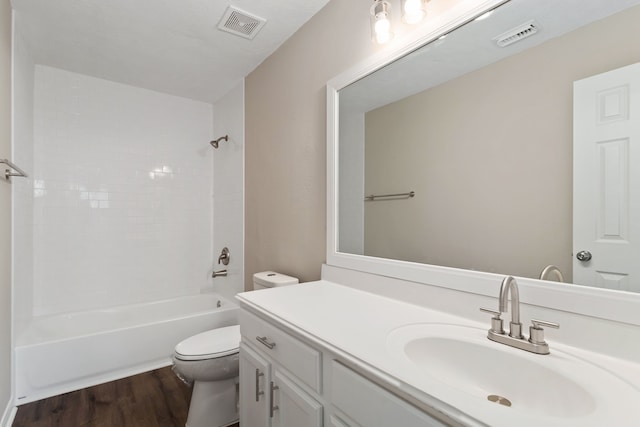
pixel 516 34
pixel 241 23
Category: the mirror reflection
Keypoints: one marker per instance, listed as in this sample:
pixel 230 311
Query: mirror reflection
pixel 488 126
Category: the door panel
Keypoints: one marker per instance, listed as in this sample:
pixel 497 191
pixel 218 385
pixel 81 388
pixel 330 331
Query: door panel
pixel 606 200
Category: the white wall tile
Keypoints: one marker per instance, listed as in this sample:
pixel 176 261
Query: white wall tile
pixel 228 190
pixel 122 194
pixel 22 188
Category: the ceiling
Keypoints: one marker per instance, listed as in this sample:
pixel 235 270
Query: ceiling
pixel 474 47
pixel 170 46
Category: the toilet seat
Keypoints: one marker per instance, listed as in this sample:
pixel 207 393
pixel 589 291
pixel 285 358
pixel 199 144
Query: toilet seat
pixel 211 344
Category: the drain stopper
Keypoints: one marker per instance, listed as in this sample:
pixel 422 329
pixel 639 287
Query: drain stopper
pixel 499 399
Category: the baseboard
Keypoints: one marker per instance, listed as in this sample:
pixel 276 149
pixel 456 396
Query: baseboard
pixel 9 414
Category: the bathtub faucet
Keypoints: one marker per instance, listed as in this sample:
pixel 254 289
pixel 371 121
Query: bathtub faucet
pixel 225 256
pixel 219 273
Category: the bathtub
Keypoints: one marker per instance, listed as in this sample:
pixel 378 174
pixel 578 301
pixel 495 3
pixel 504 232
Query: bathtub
pixel 61 353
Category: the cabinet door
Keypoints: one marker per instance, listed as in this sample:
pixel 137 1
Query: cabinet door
pixel 255 377
pixel 335 421
pixel 295 408
pixel 372 406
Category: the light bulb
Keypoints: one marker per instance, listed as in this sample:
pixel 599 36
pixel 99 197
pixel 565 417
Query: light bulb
pixel 382 29
pixel 413 11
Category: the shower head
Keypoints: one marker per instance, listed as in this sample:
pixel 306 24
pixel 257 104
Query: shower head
pixel 216 141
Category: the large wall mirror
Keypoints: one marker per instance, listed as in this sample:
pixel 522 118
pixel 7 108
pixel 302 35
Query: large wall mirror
pixel 473 137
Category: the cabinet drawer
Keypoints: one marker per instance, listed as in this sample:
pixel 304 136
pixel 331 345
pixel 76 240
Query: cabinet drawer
pixel 370 405
pixel 298 358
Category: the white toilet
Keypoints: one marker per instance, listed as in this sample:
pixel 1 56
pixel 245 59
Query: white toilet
pixel 210 359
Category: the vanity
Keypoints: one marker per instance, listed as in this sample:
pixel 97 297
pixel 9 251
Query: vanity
pixel 449 168
pixel 329 354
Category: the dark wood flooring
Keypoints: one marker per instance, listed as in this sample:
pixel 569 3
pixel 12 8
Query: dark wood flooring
pixel 152 399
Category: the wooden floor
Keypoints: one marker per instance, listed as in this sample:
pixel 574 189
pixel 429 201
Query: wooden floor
pixel 153 399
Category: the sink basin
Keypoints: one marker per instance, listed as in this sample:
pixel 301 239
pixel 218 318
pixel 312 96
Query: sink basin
pixel 498 376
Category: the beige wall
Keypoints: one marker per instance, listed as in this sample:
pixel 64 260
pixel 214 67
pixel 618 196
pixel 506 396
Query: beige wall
pixel 285 188
pixel 490 158
pixel 5 206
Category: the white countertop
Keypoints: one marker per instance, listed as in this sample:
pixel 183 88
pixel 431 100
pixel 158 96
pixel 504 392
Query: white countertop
pixel 357 324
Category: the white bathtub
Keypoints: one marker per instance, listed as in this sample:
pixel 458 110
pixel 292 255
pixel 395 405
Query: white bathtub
pixel 66 352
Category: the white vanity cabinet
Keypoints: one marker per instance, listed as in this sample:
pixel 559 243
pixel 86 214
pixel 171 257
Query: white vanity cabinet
pixel 295 406
pixel 286 382
pixel 280 378
pixel 255 378
pixel 366 404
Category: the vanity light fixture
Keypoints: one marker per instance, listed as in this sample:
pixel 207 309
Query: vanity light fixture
pixel 414 11
pixel 381 21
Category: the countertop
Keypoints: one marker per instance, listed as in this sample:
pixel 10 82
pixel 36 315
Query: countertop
pixel 357 324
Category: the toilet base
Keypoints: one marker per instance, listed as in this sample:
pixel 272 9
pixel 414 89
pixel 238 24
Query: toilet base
pixel 213 404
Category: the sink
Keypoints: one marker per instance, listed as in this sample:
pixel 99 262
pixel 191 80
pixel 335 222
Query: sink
pixel 492 375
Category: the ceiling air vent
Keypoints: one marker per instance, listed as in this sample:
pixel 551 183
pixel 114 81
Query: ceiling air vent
pixel 516 34
pixel 240 23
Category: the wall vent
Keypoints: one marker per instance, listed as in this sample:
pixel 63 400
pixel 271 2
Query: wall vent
pixel 240 23
pixel 516 34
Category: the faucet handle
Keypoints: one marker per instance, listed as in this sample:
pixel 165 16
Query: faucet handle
pixel 496 321
pixel 225 256
pixel 537 323
pixel 536 333
pixel 494 312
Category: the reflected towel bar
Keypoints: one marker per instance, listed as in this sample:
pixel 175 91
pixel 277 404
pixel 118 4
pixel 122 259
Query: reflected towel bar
pixel 390 196
pixel 7 172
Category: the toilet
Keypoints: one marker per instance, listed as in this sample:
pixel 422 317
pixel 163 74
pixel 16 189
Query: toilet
pixel 211 361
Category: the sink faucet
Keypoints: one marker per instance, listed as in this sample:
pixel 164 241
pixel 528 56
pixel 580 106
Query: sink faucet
pixel 535 343
pixel 548 270
pixel 510 286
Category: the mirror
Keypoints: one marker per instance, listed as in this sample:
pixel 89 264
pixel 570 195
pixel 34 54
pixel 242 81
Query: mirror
pixel 484 137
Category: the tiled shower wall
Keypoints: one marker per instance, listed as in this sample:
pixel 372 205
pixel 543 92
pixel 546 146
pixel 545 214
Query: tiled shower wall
pixel 22 188
pixel 228 190
pixel 122 194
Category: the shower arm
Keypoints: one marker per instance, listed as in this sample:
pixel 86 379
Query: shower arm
pixel 215 142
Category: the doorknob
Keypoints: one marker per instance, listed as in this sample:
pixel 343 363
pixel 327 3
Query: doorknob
pixel 583 256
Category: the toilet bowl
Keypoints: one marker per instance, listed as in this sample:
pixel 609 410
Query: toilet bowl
pixel 210 360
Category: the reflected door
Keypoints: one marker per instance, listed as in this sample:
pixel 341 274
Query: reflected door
pixel 606 174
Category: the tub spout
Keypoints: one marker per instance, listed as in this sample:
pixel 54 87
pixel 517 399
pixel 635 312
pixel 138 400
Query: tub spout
pixel 219 273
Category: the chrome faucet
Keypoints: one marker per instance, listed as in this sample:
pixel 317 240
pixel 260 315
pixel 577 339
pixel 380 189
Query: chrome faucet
pixel 510 286
pixel 535 343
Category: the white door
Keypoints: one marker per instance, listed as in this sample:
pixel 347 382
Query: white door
pixel 606 175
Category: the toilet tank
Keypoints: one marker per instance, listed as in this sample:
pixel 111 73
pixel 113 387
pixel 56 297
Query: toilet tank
pixel 271 279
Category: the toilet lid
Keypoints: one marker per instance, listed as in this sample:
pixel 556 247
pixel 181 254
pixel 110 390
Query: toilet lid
pixel 218 342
